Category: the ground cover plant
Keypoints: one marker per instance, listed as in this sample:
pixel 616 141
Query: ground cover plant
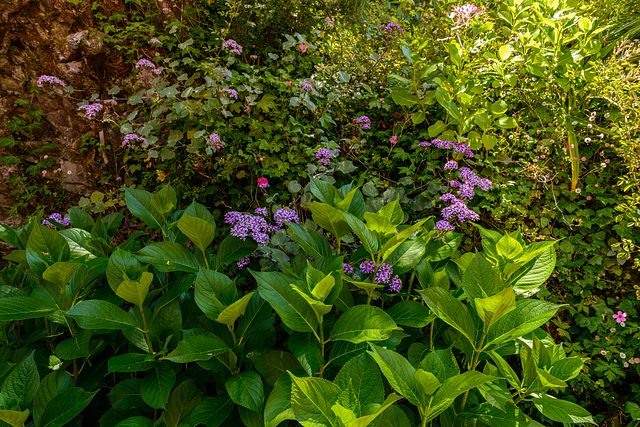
pixel 328 174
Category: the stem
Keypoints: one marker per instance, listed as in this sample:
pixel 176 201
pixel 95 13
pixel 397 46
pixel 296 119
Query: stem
pixel 145 332
pixel 413 275
pixel 204 256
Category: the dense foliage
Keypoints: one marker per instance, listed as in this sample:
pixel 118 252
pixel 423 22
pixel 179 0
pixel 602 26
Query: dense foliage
pixel 377 123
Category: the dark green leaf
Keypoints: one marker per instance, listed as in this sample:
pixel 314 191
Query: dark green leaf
pixel 214 292
pixel 246 390
pixel 45 247
pixel 212 412
pixel 131 362
pixel 65 406
pixel 21 308
pixel 363 323
pixel 21 385
pixel 527 316
pixel 278 406
pixel 169 256
pixel 562 410
pixel 98 314
pixel 197 347
pixel 410 313
pixel 363 375
pixel 312 399
pixel 273 363
pixel 156 386
pixel 183 399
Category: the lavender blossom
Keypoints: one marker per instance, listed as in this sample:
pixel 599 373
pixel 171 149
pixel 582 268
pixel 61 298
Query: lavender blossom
pixel 155 41
pixel 396 285
pixel 58 219
pixel 146 64
pixel 324 156
pixel 367 267
pixel 363 121
pixel 247 225
pixel 262 211
pixel 129 138
pixel 450 165
pixel 232 46
pixel 391 28
pixel 231 93
pixel 306 86
pixel 348 268
pixel 285 216
pixel 215 142
pixel 242 263
pixel 443 225
pixel 384 273
pixel 462 15
pixel 90 110
pixel 51 80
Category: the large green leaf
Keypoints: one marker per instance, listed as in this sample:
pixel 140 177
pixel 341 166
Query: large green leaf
pixel 363 323
pixel 232 249
pixel 197 347
pixel 278 406
pixel 65 406
pixel 212 412
pixel 451 311
pixel 22 308
pixel 271 364
pixel 200 231
pixel 45 247
pixel 368 239
pixel 169 256
pixel 157 384
pixel 562 410
pixel 508 247
pixel 230 314
pixel 493 308
pixel 368 419
pixel 397 239
pixel 312 243
pixel 536 273
pixel 440 363
pixel 399 373
pixel 479 279
pixel 21 385
pixel 139 203
pixel 214 292
pixel 329 218
pixel 14 418
pixel 407 255
pixel 363 375
pixel 122 265
pixel 312 399
pixel 410 313
pixel 99 314
pixel 274 287
pixel 246 390
pixel 131 362
pixel 183 399
pixel 527 316
pixel 51 385
pixel 60 273
pixel 135 291
pixel 454 387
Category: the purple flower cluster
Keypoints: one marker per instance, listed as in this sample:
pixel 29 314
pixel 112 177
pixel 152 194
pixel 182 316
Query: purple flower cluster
pixel 384 273
pixel 363 121
pixel 232 46
pixel 52 80
pixel 231 93
pixel 348 268
pixel 458 147
pixel 58 218
pixel 391 28
pixel 306 86
pixel 215 142
pixel 148 65
pixel 462 15
pixel 396 285
pixel 367 267
pixel 90 110
pixel 257 227
pixel 155 41
pixel 242 263
pixel 324 156
pixel 457 210
pixel 129 138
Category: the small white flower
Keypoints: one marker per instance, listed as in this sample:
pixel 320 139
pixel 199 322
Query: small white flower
pixel 623 356
pixel 587 140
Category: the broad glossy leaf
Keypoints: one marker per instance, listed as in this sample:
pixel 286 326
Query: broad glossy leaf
pixel 363 323
pixel 368 419
pixel 122 265
pixel 135 291
pixel 139 203
pixel 275 288
pixel 200 231
pixel 511 416
pixel 99 314
pixel 568 368
pixel 399 373
pixel 230 314
pixel 278 406
pixel 410 313
pixel 312 399
pixel 367 238
pixel 396 240
pixel 454 387
pixel 307 350
pixel 508 247
pixel 506 370
pixel 407 255
pixel 65 406
pixel 440 363
pixel 60 272
pixel 45 247
pixel 312 243
pixel 169 256
pixel 157 384
pixel 493 308
pixel 527 316
pixel 273 363
pixel 51 385
pixel 329 218
pixel 212 412
pixel 232 249
pixel 138 421
pixel 363 375
pixel 536 274
pixel 14 418
pixel 131 362
pixel 479 279
pixel 22 308
pixel 214 292
pixel 562 410
pixel 21 385
pixel 246 390
pixel 197 347
pixel 393 416
pixel 451 311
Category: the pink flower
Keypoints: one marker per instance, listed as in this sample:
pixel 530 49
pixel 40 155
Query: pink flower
pixel 620 316
pixel 393 140
pixel 303 47
pixel 263 182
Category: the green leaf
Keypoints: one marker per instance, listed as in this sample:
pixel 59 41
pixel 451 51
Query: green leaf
pixel 368 239
pixel 230 314
pixel 201 232
pixel 451 311
pixel 65 406
pixel 410 313
pixel 51 385
pixel 60 272
pixel 508 247
pixel 363 375
pixel 368 419
pixel 363 323
pixel 131 362
pixel 135 291
pixel 504 52
pixel 197 347
pixel 418 117
pixel 480 279
pixel 323 288
pixel 440 363
pixel 138 421
pixel 75 347
pixel 212 412
pixel 537 273
pixel 506 370
pixel 14 418
pixel 271 364
pixel 246 390
pixel 214 292
pixel 45 247
pixel 394 242
pixel 278 406
pixel 312 399
pixel 232 249
pixel 21 385
pixel 169 256
pixel 493 308
pixel 567 368
pixel 156 386
pixel 562 410
pixel 527 316
pixel 427 382
pixel 139 203
pixel 99 314
pixel 22 308
pixel 323 191
pixel 399 373
pixel 319 308
pixel 403 97
pixel 436 129
pixel 275 288
pixel 122 265
pixel 454 387
pixel 329 218
pixel 585 24
pixel 311 242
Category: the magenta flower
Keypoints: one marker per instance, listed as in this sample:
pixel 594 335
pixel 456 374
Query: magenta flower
pixel 393 140
pixel 303 47
pixel 620 316
pixel 263 182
